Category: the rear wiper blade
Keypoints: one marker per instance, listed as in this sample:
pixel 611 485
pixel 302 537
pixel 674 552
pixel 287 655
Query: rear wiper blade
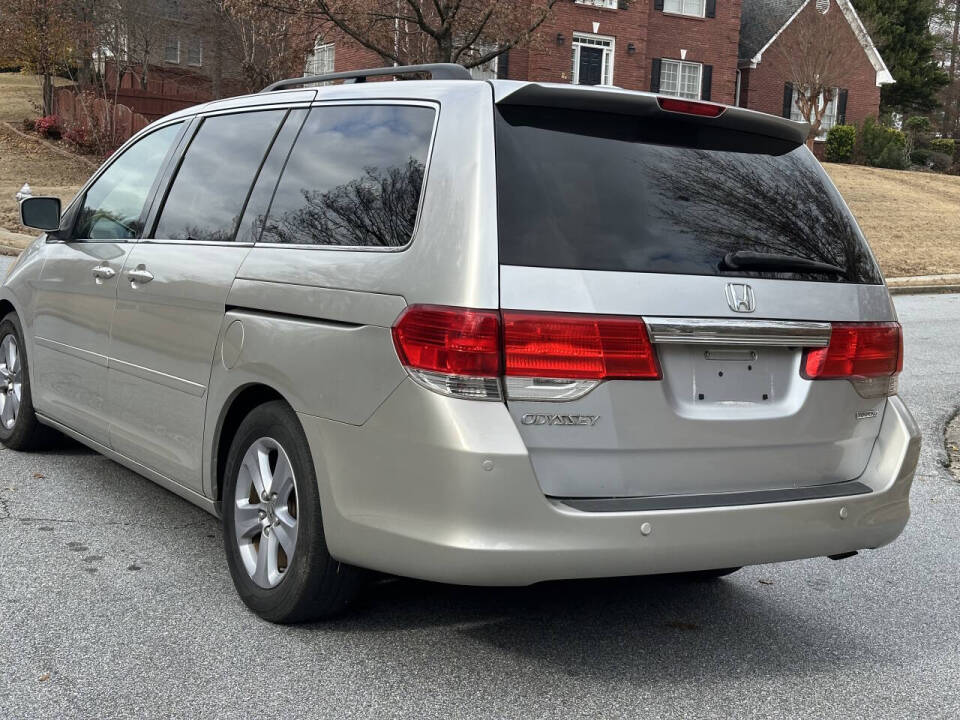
pixel 744 260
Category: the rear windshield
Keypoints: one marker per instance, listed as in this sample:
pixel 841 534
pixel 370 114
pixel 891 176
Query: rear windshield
pixel 597 191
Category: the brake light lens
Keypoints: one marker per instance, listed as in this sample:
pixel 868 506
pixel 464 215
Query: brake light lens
pixel 577 347
pixel 857 351
pixel 545 356
pixel 451 341
pixel 690 107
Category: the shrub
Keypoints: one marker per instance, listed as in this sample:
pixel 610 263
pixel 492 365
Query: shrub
pixel 29 125
pixel 921 157
pixel 892 157
pixel 941 162
pixel 882 146
pixel 48 126
pixel 945 146
pixel 840 142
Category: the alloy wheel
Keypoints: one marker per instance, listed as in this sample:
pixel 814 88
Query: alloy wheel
pixel 11 381
pixel 265 512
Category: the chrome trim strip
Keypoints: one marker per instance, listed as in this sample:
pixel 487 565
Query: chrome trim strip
pixel 755 333
pixel 80 354
pixel 174 383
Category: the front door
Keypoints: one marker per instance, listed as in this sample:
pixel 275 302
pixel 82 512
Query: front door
pixel 78 288
pixel 591 66
pixel 172 296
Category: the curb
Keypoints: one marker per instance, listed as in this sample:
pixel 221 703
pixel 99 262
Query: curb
pixel 924 289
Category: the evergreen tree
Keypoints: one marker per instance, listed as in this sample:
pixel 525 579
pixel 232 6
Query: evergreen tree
pixel 901 31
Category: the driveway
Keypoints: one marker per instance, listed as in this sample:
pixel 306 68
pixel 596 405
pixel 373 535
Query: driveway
pixel 116 602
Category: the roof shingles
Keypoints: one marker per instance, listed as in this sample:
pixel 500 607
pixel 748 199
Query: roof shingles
pixel 760 20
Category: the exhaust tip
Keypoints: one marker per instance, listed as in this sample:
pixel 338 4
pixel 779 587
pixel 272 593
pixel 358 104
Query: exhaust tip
pixel 843 556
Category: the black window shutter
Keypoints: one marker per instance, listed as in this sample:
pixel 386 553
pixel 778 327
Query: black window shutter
pixel 706 81
pixel 842 107
pixel 788 100
pixel 503 66
pixel 655 76
pixel 711 8
pixel 658 4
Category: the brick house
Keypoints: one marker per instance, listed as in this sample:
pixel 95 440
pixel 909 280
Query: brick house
pixel 681 47
pixel 720 50
pixel 765 80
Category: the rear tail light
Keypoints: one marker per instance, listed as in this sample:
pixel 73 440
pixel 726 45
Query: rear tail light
pixel 544 356
pixel 690 107
pixel 453 351
pixel 577 347
pixel 868 354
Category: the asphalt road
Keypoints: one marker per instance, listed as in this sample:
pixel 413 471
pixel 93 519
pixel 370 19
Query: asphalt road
pixel 116 602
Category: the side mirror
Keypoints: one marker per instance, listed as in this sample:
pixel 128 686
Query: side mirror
pixel 40 213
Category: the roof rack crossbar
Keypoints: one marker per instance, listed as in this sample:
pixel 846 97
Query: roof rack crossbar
pixel 438 71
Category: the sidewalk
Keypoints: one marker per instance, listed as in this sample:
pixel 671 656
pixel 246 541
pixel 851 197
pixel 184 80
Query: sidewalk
pixel 924 284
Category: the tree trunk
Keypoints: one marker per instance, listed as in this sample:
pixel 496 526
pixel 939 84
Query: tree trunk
pixel 951 111
pixel 47 102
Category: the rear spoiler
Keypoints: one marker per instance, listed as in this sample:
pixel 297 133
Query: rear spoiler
pixel 628 102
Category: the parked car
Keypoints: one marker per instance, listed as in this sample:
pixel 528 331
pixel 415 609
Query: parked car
pixel 488 333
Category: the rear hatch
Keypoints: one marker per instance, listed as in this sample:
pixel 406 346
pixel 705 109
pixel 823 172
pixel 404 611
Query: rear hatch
pixel 727 238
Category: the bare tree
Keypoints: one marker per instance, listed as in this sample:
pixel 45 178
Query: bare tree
pixel 268 43
pixel 38 34
pixel 410 32
pixel 946 27
pixel 817 52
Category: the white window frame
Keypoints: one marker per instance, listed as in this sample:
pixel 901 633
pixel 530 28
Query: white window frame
pixel 198 43
pixel 489 70
pixel 680 65
pixel 829 116
pixel 324 54
pixel 609 4
pixel 605 43
pixel 167 46
pixel 682 7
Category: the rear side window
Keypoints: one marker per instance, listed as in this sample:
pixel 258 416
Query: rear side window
pixel 218 169
pixel 596 191
pixel 353 178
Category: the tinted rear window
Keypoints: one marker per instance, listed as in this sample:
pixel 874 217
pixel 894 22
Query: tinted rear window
pixel 353 178
pixel 596 191
pixel 211 186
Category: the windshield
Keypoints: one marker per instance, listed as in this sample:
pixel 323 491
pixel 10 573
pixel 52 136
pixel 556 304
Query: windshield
pixel 597 191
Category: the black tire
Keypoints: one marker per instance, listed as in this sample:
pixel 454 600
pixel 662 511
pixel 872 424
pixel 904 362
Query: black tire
pixel 707 575
pixel 314 585
pixel 27 433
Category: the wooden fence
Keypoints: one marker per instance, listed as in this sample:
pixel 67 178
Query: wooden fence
pixel 94 116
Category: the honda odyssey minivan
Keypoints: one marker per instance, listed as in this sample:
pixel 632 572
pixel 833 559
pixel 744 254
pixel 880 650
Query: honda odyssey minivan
pixel 488 333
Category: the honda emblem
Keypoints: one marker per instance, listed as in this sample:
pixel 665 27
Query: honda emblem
pixel 740 298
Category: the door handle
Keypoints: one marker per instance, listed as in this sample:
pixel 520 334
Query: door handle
pixel 139 276
pixel 103 272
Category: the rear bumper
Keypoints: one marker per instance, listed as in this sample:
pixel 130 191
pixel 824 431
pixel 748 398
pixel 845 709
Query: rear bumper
pixel 443 489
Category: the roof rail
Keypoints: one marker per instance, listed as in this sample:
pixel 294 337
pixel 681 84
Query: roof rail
pixel 438 71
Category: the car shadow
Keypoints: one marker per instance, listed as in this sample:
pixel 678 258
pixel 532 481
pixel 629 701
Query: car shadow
pixel 636 629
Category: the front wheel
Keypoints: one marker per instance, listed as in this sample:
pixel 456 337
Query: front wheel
pixel 19 427
pixel 272 526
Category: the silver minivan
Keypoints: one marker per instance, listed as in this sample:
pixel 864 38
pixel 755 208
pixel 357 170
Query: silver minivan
pixel 488 333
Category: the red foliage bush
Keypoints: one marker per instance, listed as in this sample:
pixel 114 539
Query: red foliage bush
pixel 48 126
